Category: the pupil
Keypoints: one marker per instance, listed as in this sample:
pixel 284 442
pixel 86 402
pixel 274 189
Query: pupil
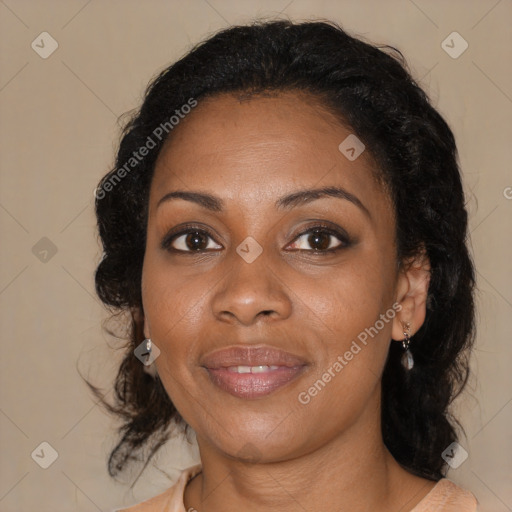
pixel 314 240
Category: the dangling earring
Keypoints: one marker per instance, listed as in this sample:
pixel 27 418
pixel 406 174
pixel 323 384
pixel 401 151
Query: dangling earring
pixel 407 360
pixel 149 367
pixel 147 353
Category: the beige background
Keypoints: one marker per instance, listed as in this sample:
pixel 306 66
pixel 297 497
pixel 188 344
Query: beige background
pixel 59 126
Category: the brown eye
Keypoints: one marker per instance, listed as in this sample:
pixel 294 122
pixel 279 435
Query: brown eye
pixel 196 241
pixel 191 240
pixel 321 240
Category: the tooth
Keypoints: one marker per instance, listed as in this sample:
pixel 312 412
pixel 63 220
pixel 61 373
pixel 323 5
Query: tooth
pixel 259 369
pixel 252 369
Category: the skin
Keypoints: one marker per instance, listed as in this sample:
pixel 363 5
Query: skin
pixel 329 453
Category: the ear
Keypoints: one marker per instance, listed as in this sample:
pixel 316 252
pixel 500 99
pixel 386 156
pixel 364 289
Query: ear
pixel 146 326
pixel 140 320
pixel 411 294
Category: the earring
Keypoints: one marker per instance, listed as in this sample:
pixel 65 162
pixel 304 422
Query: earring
pixel 407 360
pixel 147 354
pixel 149 367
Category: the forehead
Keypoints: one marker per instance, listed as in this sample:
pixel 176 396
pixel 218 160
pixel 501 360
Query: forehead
pixel 254 150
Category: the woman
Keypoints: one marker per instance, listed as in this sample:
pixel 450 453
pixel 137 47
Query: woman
pixel 286 226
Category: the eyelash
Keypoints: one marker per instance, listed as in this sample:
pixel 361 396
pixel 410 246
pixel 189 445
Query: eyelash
pixel 344 239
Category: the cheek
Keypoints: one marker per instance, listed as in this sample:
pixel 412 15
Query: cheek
pixel 354 346
pixel 176 306
pixel 347 298
pixel 353 313
pixel 170 310
pixel 171 298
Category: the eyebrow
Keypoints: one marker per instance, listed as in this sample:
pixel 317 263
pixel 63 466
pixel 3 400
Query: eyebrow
pixel 301 197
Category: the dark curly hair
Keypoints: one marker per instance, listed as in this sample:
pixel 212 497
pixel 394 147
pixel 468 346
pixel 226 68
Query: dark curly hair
pixel 369 88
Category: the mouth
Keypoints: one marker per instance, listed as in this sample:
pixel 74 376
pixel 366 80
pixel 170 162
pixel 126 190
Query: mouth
pixel 252 372
pixel 252 382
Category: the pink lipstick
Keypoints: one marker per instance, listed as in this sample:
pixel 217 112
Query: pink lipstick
pixel 252 372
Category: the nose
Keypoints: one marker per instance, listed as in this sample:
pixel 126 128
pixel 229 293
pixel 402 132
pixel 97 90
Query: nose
pixel 251 292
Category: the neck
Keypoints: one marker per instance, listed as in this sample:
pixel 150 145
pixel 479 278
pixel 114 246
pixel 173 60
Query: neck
pixel 352 472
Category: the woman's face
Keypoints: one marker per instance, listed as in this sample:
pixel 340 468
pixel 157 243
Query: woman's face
pixel 262 279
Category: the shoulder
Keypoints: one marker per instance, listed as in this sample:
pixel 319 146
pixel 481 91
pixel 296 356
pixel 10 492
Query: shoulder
pixel 447 496
pixel 170 500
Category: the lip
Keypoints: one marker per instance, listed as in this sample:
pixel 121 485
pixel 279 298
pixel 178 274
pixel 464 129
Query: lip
pixel 260 355
pixel 252 385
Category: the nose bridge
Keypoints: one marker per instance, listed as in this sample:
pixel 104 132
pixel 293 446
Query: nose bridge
pixel 251 286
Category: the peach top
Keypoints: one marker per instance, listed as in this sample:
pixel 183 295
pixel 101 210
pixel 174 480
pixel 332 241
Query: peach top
pixel 445 496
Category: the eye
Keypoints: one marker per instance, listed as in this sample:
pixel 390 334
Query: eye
pixel 322 239
pixel 189 240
